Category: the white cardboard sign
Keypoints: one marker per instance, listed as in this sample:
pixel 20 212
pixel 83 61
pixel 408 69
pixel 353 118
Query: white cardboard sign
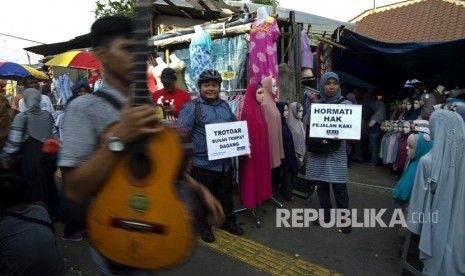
pixel 227 140
pixel 336 120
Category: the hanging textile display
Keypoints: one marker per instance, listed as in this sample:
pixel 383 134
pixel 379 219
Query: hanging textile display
pixel 263 55
pixel 200 50
pixel 324 63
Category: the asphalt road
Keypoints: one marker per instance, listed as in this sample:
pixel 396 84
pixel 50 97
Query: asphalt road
pixel 365 251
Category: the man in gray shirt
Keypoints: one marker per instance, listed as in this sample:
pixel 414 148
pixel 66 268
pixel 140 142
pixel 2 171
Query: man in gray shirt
pixel 89 154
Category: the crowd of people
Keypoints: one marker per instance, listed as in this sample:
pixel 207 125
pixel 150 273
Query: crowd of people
pixel 428 157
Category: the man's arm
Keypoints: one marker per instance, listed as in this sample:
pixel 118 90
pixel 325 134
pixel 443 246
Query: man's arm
pixel 83 180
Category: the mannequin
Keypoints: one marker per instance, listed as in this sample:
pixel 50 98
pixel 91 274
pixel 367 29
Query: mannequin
pixel 390 153
pixel 200 50
pixel 254 170
pixel 273 120
pixel 262 14
pixel 386 128
pixel 263 55
pixel 157 71
pixel 294 121
pixel 288 166
pixel 179 66
pixel 402 144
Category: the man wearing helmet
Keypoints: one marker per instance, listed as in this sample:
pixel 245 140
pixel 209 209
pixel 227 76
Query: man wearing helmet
pixel 215 174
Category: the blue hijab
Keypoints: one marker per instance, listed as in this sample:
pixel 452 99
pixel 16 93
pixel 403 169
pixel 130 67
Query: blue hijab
pixel 321 87
pixel 404 187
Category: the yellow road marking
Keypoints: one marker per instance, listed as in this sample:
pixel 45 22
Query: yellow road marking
pixel 264 258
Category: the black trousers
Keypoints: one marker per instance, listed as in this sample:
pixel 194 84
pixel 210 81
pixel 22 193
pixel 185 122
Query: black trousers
pixel 341 196
pixel 220 185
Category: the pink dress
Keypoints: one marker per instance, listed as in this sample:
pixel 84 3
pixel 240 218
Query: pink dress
pixel 273 120
pixel 263 54
pixel 255 172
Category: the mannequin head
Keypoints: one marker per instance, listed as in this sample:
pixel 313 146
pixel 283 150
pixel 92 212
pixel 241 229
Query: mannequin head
pixel 388 126
pixel 406 127
pixel 274 88
pixel 409 104
pixel 262 14
pixel 416 103
pixel 198 29
pixel 395 126
pixel 383 126
pixel 286 111
pixel 404 103
pixel 412 141
pixel 394 105
pixel 300 111
pixel 260 93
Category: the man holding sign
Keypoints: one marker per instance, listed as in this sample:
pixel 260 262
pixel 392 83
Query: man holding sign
pixel 216 174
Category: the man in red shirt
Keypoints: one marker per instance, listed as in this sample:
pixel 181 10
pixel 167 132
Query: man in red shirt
pixel 171 97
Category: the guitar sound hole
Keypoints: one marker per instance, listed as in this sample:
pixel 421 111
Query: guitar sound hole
pixel 140 165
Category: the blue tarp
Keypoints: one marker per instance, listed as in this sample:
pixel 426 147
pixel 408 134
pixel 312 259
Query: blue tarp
pixel 389 65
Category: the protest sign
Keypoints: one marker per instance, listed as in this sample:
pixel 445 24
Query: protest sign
pixel 227 140
pixel 336 120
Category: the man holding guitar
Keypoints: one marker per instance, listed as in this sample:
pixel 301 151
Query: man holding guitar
pixel 89 152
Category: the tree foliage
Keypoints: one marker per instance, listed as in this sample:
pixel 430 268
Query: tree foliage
pixel 264 2
pixel 115 7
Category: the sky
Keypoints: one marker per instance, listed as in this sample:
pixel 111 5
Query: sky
pixel 51 21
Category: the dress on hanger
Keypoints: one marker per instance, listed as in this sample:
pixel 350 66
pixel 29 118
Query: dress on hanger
pixel 201 58
pixel 254 171
pixel 263 54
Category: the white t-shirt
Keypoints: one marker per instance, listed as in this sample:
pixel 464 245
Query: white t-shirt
pixel 45 104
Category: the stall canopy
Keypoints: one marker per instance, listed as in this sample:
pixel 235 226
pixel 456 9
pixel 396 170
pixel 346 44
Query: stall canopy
pixel 389 65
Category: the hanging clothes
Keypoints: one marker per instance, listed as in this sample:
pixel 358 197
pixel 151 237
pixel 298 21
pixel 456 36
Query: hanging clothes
pixel 201 58
pixel 254 171
pixel 263 54
pixel 63 85
pixel 273 120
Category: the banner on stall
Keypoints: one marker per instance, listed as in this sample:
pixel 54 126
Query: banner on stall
pixel 336 120
pixel 227 140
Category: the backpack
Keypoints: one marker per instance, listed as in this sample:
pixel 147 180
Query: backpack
pixel 198 110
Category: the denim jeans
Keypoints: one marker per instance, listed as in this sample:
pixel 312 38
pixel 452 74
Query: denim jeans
pixel 374 139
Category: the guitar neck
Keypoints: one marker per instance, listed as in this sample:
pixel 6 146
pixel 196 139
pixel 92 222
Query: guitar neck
pixel 141 52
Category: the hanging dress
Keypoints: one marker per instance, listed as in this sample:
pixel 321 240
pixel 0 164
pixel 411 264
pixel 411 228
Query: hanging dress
pixel 263 54
pixel 200 50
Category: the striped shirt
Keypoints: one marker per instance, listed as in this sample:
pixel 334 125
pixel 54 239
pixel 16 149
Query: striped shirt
pixel 210 113
pixel 328 167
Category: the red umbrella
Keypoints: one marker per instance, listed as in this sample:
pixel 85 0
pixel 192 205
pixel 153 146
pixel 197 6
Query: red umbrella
pixel 76 59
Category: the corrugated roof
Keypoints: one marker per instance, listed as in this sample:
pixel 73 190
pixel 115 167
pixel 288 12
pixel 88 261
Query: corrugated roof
pixel 414 21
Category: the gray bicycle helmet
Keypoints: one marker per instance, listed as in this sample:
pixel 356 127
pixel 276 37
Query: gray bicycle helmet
pixel 209 75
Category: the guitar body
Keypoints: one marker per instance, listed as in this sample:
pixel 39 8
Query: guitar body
pixel 137 217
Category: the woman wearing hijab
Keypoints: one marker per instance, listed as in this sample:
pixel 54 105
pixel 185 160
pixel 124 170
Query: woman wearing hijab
pixel 289 162
pixel 294 121
pixel 439 196
pixel 28 132
pixel 254 171
pixel 330 169
pixel 6 116
pixel 273 121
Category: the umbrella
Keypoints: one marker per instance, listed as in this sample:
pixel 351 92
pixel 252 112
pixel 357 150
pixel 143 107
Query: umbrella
pixel 15 71
pixel 76 59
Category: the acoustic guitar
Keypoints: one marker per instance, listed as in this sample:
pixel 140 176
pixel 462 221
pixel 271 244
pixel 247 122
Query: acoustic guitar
pixel 137 217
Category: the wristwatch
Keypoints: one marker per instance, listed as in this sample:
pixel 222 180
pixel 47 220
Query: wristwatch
pixel 114 144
